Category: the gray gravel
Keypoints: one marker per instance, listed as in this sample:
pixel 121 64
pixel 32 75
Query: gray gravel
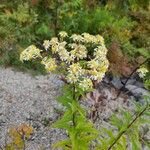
pixel 32 100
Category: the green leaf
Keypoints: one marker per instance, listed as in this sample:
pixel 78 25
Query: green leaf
pixel 43 29
pixel 144 52
pixel 117 122
pixel 127 117
pixel 147 113
pixel 63 123
pixel 63 144
pixel 109 132
pixel 134 137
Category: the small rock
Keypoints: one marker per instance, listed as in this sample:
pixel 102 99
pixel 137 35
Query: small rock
pixel 117 82
pixel 137 91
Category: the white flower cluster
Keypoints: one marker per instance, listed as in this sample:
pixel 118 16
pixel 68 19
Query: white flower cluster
pixel 79 51
pixel 86 84
pixel 93 39
pixel 77 38
pixel 63 34
pixel 53 43
pixel 142 72
pixel 74 72
pixel 50 63
pixel 46 44
pixel 83 65
pixel 30 53
pixel 88 38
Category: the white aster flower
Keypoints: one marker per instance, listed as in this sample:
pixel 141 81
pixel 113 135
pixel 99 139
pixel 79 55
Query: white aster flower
pixel 71 78
pixel 77 38
pixel 142 72
pixel 46 44
pixel 49 63
pixel 32 52
pixel 86 84
pixel 73 45
pixel 93 64
pixel 61 45
pixel 63 34
pixel 75 69
pixel 100 39
pixel 64 54
pixel 100 52
pixel 79 52
pixel 74 72
pixel 88 38
pixel 96 75
pixel 54 44
pixel 53 41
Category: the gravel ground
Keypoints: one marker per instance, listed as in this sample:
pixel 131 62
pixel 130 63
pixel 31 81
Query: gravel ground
pixel 32 100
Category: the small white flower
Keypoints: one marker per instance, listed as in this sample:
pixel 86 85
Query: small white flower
pixel 75 69
pixel 74 72
pixel 79 52
pixel 46 44
pixel 54 44
pixel 63 34
pixel 71 78
pixel 88 38
pixel 100 40
pixel 96 75
pixel 142 72
pixel 77 38
pixel 100 52
pixel 53 41
pixel 86 84
pixel 30 53
pixel 93 64
pixel 50 64
pixel 64 54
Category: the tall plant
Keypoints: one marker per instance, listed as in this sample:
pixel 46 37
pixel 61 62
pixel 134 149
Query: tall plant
pixel 81 60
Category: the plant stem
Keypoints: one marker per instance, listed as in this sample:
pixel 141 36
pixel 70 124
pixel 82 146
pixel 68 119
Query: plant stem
pixel 24 145
pixel 74 141
pixel 132 122
pixel 124 84
pixel 74 98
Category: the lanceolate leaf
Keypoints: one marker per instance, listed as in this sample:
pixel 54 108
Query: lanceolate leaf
pixel 128 131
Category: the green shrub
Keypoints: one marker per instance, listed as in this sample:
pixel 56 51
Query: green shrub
pixel 123 22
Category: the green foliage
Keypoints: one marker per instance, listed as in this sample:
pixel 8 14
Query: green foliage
pixel 18 23
pixel 125 6
pixel 124 22
pixel 126 128
pixel 96 21
pixel 147 84
pixel 80 131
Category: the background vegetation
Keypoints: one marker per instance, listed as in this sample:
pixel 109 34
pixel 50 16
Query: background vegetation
pixel 123 23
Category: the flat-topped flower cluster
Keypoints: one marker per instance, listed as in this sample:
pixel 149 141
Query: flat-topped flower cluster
pixel 84 57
